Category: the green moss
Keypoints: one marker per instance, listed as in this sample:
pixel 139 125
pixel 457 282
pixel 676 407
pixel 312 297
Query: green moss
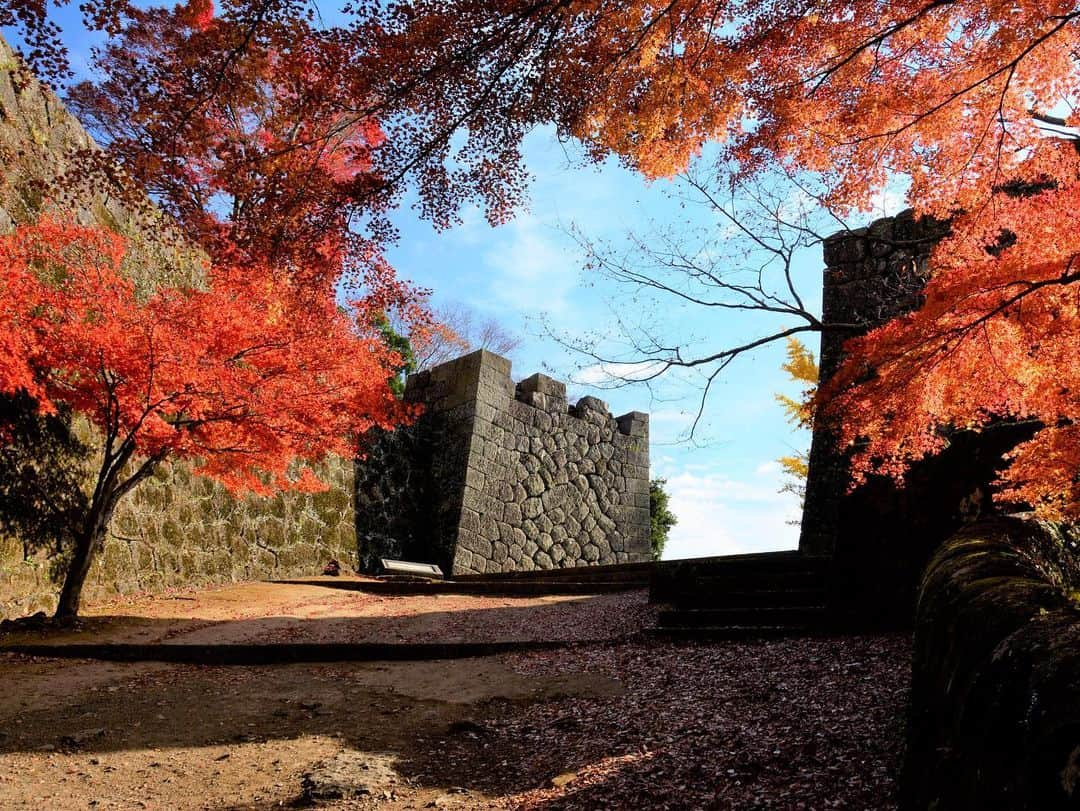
pixel 31 201
pixel 171 533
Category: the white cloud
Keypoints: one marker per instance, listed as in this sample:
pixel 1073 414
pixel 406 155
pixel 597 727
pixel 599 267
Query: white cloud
pixel 798 205
pixel 600 374
pixel 531 272
pixel 721 516
pixel 888 202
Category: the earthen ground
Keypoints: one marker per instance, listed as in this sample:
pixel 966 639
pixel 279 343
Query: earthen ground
pixel 620 722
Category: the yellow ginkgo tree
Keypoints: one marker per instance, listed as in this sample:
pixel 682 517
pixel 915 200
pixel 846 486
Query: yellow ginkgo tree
pixel 802 368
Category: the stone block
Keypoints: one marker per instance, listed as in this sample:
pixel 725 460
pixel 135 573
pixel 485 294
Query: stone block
pixel 532 508
pixel 512 514
pixel 489 526
pixel 542 384
pixel 470 520
pixel 534 485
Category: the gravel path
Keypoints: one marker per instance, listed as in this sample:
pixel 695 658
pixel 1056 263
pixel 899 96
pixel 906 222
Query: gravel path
pixel 630 723
pixel 780 724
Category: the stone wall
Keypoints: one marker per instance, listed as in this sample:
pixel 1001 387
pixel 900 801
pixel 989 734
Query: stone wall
pixel 177 529
pixel 881 535
pixel 511 477
pixel 872 275
pixel 50 164
pixel 995 717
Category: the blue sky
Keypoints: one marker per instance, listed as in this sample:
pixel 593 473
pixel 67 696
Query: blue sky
pixel 725 487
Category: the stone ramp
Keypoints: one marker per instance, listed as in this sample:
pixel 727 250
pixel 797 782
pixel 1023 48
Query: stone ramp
pixel 743 596
pixel 530 587
pixel 276 653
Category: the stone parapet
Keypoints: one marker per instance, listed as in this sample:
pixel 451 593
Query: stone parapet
pixel 513 479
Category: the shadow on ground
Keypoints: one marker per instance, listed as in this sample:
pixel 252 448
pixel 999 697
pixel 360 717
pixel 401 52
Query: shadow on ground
pixel 622 725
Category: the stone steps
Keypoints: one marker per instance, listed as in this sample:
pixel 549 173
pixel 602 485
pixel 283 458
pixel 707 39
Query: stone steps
pixel 777 571
pixel 745 596
pixel 753 617
pixel 754 598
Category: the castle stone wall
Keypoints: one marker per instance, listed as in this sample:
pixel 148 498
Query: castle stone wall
pixel 49 164
pixel 512 477
pixel 882 534
pixel 872 275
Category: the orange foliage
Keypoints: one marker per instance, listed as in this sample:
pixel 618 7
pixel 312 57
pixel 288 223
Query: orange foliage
pixel 996 338
pixel 244 377
pixel 948 94
pixel 248 133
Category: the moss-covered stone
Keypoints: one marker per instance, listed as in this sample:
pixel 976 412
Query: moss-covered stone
pixel 995 717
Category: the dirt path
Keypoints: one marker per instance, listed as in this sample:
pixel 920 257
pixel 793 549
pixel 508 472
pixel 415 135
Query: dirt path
pixel 619 724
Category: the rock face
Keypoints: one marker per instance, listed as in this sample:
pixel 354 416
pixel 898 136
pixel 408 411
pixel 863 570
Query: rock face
pixel 50 164
pixel 881 535
pixel 995 719
pixel 496 477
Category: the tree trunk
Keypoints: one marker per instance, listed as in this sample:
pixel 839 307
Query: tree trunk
pixel 87 544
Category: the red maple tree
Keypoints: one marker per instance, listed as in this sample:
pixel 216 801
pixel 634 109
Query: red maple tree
pixel 249 134
pixel 242 378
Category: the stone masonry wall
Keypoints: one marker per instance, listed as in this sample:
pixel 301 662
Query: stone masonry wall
pixel 525 482
pixel 882 535
pixel 995 688
pixel 871 276
pixel 46 166
pixel 177 529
